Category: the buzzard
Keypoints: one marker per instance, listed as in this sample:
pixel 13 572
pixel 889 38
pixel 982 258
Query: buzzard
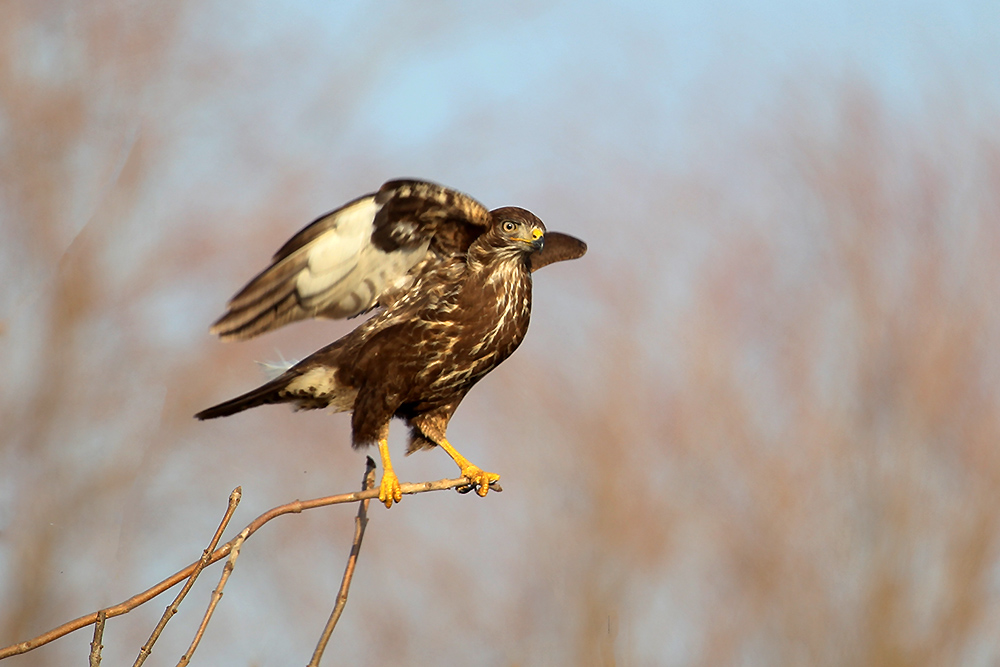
pixel 453 282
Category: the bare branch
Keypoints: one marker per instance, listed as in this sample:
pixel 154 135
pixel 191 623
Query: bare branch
pixel 290 508
pixel 360 522
pixel 216 596
pixel 96 645
pixel 234 500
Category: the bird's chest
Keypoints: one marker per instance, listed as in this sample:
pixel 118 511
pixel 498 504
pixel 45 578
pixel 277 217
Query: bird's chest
pixel 487 324
pixel 502 322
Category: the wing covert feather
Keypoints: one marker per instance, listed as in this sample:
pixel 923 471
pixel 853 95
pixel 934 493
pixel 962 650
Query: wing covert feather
pixel 354 258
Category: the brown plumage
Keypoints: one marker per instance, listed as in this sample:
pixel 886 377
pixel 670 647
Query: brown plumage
pixel 454 282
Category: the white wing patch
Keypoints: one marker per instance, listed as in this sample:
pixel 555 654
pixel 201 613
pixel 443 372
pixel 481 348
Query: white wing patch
pixel 334 255
pixel 344 272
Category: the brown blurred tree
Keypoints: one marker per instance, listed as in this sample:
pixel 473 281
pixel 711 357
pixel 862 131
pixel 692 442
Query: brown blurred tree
pixel 784 409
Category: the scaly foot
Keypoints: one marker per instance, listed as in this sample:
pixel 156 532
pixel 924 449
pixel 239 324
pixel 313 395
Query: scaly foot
pixel 480 479
pixel 389 489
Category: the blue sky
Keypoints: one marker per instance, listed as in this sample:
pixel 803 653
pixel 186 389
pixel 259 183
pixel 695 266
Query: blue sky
pixel 597 117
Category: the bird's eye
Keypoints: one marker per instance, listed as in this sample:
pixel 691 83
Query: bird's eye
pixel 509 226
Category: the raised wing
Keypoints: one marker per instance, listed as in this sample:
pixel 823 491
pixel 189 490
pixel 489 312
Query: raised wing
pixel 361 255
pixel 558 248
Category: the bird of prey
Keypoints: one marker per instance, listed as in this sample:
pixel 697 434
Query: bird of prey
pixel 452 280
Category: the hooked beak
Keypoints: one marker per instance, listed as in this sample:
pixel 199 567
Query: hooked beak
pixel 537 239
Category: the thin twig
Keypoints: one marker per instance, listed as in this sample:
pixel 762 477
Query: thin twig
pixel 147 648
pixel 360 522
pixel 216 596
pixel 220 553
pixel 96 645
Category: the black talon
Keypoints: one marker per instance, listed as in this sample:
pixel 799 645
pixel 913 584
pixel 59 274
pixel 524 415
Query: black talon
pixel 494 486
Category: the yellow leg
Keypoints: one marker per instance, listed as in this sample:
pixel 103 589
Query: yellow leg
pixel 474 474
pixel 388 490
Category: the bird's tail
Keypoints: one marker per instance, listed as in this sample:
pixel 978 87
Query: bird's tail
pixel 262 395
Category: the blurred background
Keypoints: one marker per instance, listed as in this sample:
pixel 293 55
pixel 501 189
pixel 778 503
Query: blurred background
pixel 758 424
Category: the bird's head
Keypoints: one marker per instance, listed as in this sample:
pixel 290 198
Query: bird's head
pixel 514 228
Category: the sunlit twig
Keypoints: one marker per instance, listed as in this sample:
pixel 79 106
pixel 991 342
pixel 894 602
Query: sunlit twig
pixel 216 596
pixel 96 645
pixel 234 500
pixel 293 507
pixel 360 522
